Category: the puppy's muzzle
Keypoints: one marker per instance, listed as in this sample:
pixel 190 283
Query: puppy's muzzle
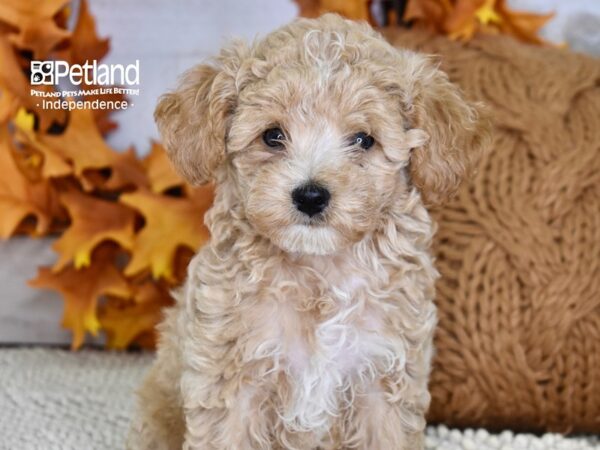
pixel 311 199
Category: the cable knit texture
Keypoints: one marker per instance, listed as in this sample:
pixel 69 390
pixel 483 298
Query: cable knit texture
pixel 519 247
pixel 59 400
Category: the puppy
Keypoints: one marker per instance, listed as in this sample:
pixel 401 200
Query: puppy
pixel 307 320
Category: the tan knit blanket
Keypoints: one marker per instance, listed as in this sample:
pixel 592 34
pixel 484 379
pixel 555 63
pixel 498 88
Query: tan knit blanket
pixel 519 249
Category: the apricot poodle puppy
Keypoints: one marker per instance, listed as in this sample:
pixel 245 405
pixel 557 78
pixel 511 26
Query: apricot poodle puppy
pixel 307 320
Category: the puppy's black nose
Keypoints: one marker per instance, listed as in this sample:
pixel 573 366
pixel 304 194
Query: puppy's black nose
pixel 311 199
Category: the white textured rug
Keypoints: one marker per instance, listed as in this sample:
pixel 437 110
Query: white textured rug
pixel 53 399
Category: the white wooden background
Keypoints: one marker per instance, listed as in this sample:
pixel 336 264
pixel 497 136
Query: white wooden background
pixel 167 36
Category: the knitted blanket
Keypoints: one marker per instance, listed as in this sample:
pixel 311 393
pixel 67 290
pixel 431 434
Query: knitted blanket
pixel 518 344
pixel 54 399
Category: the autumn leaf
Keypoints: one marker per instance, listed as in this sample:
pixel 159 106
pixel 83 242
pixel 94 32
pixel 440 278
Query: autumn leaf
pixel 13 80
pixel 309 8
pixel 169 223
pixel 92 221
pixel 124 324
pixel 355 9
pixel 429 12
pixel 147 340
pixel 459 19
pixel 81 133
pixel 28 161
pixel 160 172
pixel 85 44
pixel 125 172
pixel 148 291
pixel 124 321
pixel 24 120
pixel 183 256
pixel 462 22
pixel 52 164
pixel 82 145
pixel 202 196
pixel 462 19
pixel 524 26
pixel 33 20
pixel 9 104
pixel 81 290
pixel 47 155
pixel 19 197
pixel 486 14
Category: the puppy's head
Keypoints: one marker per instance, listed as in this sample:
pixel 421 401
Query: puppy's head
pixel 319 129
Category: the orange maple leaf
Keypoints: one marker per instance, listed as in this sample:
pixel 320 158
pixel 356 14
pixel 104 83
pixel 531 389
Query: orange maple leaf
pixel 161 174
pixel 9 104
pixel 85 44
pixel 36 29
pixel 461 22
pixel 81 290
pixel 82 145
pixel 430 12
pixel 52 165
pixel 13 79
pixel 202 196
pixel 44 152
pixel 355 9
pixel 124 321
pixel 125 172
pixel 123 324
pixel 92 221
pixel 524 26
pixel 170 223
pixel 19 197
pixel 462 19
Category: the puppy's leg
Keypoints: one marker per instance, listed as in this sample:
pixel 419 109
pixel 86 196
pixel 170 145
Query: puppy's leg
pixel 377 421
pixel 235 417
pixel 159 423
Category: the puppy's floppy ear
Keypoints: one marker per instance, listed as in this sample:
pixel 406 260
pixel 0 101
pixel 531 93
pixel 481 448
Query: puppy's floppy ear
pixel 457 134
pixel 192 121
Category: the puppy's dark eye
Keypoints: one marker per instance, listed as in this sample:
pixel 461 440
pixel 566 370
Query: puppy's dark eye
pixel 274 137
pixel 364 140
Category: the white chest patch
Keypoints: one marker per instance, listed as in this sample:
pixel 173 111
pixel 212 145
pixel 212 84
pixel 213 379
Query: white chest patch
pixel 327 360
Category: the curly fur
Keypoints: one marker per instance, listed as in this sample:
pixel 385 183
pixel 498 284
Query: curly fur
pixel 291 333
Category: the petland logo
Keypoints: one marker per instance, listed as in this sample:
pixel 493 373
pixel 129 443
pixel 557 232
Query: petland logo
pixel 83 86
pixel 51 73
